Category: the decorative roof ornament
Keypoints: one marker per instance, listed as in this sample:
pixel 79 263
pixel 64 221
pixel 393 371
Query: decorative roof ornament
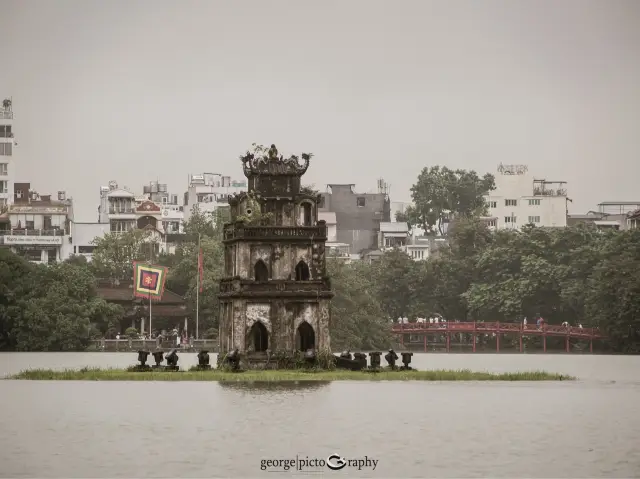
pixel 512 169
pixel 261 161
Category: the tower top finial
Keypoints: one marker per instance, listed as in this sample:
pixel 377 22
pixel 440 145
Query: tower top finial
pixel 261 161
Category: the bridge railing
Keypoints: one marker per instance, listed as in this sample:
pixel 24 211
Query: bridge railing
pixel 496 326
pixel 127 344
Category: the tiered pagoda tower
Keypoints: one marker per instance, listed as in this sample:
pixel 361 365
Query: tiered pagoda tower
pixel 275 294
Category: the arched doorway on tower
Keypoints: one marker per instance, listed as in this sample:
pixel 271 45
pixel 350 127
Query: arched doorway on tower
pixel 305 337
pixel 258 339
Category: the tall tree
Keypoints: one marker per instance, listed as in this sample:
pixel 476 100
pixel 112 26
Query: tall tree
pixel 440 193
pixel 115 253
pixel 357 320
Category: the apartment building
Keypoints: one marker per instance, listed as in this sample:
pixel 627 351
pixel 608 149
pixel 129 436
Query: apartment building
pixel 520 199
pixel 358 215
pixel 209 191
pixel 7 147
pixel 36 227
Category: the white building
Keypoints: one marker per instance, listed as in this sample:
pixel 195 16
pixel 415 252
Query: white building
pixel 209 191
pixel 396 235
pixel 334 249
pixel 82 237
pixel 7 143
pixel 520 199
pixel 123 211
pixel 38 226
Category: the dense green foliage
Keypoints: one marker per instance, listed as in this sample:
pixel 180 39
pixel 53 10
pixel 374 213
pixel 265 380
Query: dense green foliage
pixel 52 308
pixel 581 275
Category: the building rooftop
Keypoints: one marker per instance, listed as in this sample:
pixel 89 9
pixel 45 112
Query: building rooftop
pixel 398 227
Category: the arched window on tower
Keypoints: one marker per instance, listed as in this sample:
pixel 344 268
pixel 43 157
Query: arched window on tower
pixel 306 214
pixel 305 337
pixel 302 271
pixel 258 337
pixel 260 271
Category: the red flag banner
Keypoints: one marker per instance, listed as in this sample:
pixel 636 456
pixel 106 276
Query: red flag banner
pixel 200 268
pixel 148 280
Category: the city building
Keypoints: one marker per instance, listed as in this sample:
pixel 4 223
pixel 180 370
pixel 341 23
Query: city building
pixel 633 220
pixel 610 215
pixel 520 199
pixel 154 210
pixel 37 227
pixel 210 191
pixel 275 294
pixel 335 249
pixel 82 236
pixel 358 215
pixel 7 161
pixel 396 235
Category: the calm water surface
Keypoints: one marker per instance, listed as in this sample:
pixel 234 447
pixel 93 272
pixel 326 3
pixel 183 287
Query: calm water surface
pixel 587 428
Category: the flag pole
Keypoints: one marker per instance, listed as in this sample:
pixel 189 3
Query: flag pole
pixel 198 291
pixel 150 301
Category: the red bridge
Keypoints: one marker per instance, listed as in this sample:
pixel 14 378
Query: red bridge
pixel 516 329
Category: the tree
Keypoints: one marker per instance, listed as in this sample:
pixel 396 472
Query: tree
pixel 115 253
pixel 396 282
pixel 54 308
pixel 15 273
pixel 440 193
pixel 357 320
pixel 613 292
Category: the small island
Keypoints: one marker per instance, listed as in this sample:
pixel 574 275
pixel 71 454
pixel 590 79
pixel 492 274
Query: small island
pixel 221 375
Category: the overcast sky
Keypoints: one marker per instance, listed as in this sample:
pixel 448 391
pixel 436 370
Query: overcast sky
pixel 136 91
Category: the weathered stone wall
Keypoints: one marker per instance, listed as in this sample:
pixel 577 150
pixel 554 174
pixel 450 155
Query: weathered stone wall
pixel 281 259
pixel 279 318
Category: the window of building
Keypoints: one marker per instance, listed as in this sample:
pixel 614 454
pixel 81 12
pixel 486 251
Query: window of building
pixel 120 226
pixel 491 223
pixel 6 149
pixel 511 202
pixel 510 219
pixel 534 219
pixel 4 187
pixel 32 255
pixel 29 224
pixel 360 201
pixel 51 258
pixel 3 202
pixel 86 249
pixel 321 204
pixel 4 169
pixel 493 204
pixel 534 202
pixel 5 131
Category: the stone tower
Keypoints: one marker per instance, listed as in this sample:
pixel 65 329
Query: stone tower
pixel 275 294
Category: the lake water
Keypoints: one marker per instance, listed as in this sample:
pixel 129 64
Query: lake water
pixel 587 428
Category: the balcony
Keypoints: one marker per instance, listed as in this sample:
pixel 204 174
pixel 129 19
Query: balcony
pixel 35 232
pixel 6 115
pixel 122 211
pixel 239 231
pixel 276 288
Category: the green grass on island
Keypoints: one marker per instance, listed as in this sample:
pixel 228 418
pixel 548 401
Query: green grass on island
pixel 87 374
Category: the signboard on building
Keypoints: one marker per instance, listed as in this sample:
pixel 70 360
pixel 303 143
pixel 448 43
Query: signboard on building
pixel 37 209
pixel 32 240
